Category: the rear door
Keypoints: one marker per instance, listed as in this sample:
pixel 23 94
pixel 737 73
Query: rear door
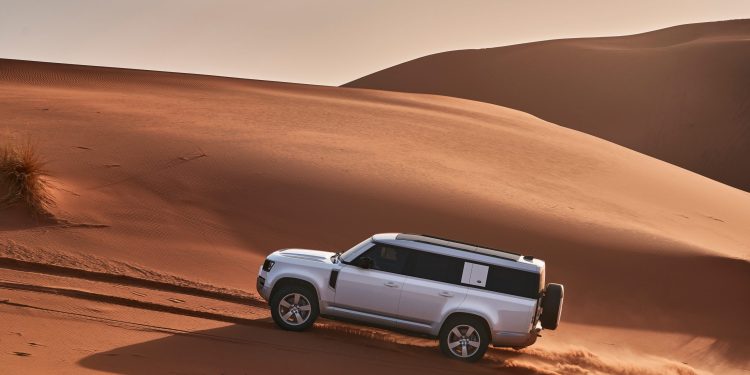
pixel 376 290
pixel 432 287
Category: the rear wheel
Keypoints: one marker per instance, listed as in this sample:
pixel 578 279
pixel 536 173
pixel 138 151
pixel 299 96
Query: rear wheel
pixel 294 308
pixel 465 338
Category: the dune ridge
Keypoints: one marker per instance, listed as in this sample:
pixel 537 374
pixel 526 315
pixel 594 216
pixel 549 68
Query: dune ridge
pixel 214 173
pixel 678 94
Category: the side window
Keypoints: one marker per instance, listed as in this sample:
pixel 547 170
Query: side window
pixel 387 258
pixel 436 267
pixel 512 281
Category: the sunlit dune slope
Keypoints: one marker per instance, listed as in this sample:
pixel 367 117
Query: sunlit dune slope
pixel 201 177
pixel 678 94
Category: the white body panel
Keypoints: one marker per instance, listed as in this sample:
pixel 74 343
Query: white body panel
pixel 369 291
pixel 428 302
pixel 509 317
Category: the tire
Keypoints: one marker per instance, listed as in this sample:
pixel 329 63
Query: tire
pixel 552 306
pixel 460 332
pixel 294 308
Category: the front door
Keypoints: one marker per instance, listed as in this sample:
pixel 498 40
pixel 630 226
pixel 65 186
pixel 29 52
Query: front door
pixel 375 290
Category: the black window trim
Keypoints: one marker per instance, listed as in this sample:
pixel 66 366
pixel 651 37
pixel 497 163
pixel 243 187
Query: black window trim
pixel 452 256
pixel 455 257
pixel 409 262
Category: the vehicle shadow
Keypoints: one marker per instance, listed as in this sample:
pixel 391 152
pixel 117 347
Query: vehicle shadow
pixel 263 348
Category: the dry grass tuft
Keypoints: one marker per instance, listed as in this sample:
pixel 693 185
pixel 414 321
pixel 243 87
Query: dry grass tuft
pixel 23 179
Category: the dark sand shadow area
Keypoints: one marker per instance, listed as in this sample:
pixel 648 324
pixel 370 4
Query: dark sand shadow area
pixel 245 349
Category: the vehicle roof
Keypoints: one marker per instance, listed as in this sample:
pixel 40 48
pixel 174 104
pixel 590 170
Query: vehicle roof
pixel 451 244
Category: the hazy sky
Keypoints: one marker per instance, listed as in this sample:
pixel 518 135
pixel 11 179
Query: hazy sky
pixel 323 42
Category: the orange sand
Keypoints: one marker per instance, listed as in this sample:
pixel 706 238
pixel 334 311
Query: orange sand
pixel 184 177
pixel 678 94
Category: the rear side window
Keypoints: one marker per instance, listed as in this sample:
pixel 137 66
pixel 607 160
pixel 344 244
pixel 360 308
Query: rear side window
pixel 387 258
pixel 435 267
pixel 512 281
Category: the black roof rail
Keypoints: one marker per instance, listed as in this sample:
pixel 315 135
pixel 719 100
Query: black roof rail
pixel 458 245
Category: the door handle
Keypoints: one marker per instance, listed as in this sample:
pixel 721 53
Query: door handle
pixel 390 284
pixel 446 294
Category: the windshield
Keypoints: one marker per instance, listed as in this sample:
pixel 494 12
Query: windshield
pixel 348 254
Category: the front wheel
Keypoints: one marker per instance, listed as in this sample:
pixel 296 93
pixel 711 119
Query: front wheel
pixel 294 308
pixel 464 338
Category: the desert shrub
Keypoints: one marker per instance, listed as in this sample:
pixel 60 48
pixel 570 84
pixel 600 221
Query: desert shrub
pixel 23 179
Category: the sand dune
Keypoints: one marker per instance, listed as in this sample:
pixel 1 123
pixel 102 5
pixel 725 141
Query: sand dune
pixel 678 94
pixel 176 177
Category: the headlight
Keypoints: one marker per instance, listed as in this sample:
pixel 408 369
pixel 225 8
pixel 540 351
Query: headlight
pixel 267 265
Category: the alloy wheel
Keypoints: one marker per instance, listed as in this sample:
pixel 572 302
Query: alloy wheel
pixel 294 309
pixel 463 341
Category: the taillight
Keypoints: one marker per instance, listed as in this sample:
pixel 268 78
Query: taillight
pixel 267 265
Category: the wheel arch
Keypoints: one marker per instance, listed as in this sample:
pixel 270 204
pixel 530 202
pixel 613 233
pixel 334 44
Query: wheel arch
pixel 458 314
pixel 293 281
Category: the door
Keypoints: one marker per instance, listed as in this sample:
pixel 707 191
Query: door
pixel 375 290
pixel 432 287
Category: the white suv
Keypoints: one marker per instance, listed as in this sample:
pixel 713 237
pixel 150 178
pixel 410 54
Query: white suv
pixel 468 296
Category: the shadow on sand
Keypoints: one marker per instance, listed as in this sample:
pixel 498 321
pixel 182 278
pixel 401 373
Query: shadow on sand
pixel 263 348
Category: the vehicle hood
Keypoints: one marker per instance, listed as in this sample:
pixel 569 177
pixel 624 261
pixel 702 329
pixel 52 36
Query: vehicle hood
pixel 313 255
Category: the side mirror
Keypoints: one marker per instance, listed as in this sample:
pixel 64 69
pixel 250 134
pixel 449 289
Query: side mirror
pixel 364 262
